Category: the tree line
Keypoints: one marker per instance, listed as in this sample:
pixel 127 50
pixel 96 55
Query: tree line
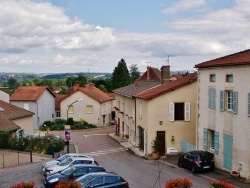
pixel 121 76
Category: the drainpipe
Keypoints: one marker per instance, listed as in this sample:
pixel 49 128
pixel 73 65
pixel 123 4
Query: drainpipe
pixel 135 121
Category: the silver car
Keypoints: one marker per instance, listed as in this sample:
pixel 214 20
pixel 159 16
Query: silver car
pixel 66 163
pixel 61 158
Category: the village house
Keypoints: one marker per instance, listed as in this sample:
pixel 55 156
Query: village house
pixel 224 111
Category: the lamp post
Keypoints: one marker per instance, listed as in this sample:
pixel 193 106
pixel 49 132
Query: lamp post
pixel 67 130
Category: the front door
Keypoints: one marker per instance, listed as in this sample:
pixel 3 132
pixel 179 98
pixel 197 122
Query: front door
pixel 227 151
pixel 161 137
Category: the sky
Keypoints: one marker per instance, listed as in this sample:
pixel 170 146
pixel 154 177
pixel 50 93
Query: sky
pixel 64 36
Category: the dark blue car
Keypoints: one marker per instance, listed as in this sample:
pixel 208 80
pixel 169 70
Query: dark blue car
pixel 71 173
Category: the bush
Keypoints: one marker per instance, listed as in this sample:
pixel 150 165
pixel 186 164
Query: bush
pixel 24 185
pixel 68 184
pixel 4 138
pixel 178 183
pixel 19 144
pixel 221 184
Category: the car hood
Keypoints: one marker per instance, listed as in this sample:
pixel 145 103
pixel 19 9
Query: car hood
pixel 50 163
pixel 56 175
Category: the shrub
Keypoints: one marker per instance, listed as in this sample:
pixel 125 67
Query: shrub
pixel 221 184
pixel 68 184
pixel 179 182
pixel 4 137
pixel 24 185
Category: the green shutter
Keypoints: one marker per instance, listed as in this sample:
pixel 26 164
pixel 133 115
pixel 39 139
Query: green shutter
pixel 248 110
pixel 213 99
pixel 235 102
pixel 205 138
pixel 209 98
pixel 216 142
pixel 221 100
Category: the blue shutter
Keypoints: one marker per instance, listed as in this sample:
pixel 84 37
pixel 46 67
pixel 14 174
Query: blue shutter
pixel 213 99
pixel 235 102
pixel 221 100
pixel 248 110
pixel 209 98
pixel 216 142
pixel 205 138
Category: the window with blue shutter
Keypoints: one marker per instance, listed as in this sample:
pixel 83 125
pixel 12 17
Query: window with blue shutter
pixel 222 100
pixel 216 142
pixel 211 98
pixel 235 102
pixel 205 138
pixel 248 110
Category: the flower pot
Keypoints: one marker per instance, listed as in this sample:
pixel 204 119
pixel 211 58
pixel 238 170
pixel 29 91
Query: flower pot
pixel 155 155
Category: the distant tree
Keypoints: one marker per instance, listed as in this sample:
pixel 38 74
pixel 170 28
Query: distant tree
pixel 60 82
pixel 37 81
pixel 134 72
pixel 103 88
pixel 27 82
pixel 48 83
pixel 12 82
pixel 120 75
pixel 63 90
pixel 81 80
pixel 105 82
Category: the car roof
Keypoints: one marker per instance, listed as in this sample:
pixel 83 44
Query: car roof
pixel 83 159
pixel 78 154
pixel 87 165
pixel 102 174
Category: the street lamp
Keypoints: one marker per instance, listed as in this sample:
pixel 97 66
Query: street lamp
pixel 67 131
pixel 71 105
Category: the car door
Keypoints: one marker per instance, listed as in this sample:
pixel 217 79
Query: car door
pixel 186 160
pixel 97 182
pixel 80 172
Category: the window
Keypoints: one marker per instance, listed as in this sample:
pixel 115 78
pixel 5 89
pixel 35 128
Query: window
pixel 229 78
pixel 211 98
pixel 179 111
pixel 89 109
pixel 212 78
pixel 103 119
pixel 229 101
pixel 211 140
pixel 26 106
pixel 58 114
pixel 52 115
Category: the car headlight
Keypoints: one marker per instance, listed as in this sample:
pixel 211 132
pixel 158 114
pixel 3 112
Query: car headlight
pixel 53 180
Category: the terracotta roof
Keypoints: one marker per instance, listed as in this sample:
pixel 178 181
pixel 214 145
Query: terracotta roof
pixel 152 74
pixel 58 99
pixel 9 112
pixel 137 87
pixel 240 58
pixel 90 90
pixel 167 87
pixel 29 93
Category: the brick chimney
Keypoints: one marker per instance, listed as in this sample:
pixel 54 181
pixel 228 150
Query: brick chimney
pixel 165 74
pixel 90 85
pixel 75 87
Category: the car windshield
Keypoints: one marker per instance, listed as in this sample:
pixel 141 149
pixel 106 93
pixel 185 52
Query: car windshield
pixel 63 157
pixel 68 170
pixel 65 162
pixel 84 179
pixel 203 157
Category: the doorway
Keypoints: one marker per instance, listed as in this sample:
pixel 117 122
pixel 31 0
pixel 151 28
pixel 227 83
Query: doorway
pixel 161 137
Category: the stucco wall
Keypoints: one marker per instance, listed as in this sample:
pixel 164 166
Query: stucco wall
pixel 236 125
pixel 26 124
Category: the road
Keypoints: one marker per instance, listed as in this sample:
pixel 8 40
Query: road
pixel 139 172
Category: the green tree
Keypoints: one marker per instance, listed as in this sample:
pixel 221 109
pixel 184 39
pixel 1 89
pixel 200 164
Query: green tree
pixel 27 82
pixel 134 72
pixel 120 76
pixel 103 88
pixel 12 82
pixel 105 82
pixel 81 80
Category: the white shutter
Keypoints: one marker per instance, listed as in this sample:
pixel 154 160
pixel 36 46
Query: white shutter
pixel 171 112
pixel 187 111
pixel 140 109
pixel 145 142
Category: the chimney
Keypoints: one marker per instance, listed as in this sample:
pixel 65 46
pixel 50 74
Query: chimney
pixel 75 87
pixel 90 85
pixel 165 74
pixel 136 83
pixel 148 73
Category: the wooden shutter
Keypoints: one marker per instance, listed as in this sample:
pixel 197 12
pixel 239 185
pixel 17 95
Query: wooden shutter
pixel 213 99
pixel 187 111
pixel 216 142
pixel 235 102
pixel 171 112
pixel 221 100
pixel 205 138
pixel 210 98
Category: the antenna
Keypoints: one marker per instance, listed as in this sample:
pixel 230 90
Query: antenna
pixel 168 60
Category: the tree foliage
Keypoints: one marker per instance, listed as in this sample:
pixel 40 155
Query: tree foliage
pixel 134 72
pixel 120 75
pixel 81 80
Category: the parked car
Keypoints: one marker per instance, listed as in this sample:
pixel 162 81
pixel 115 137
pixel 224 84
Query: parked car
pixel 70 173
pixel 197 161
pixel 61 158
pixel 102 180
pixel 66 163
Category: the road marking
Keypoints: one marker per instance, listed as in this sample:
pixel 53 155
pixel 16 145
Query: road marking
pixel 105 151
pixel 94 135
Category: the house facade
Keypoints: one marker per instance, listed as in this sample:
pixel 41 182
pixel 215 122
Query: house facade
pixel 168 112
pixel 15 120
pixel 38 99
pixel 224 111
pixel 87 103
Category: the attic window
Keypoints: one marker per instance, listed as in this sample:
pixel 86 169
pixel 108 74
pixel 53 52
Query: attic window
pixel 1 109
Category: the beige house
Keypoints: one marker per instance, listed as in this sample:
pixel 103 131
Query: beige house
pixel 224 111
pixel 15 120
pixel 168 112
pixel 125 103
pixel 87 103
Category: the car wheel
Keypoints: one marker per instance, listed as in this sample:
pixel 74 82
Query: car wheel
pixel 180 164
pixel 193 170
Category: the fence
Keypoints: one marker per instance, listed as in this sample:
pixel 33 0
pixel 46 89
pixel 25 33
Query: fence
pixel 13 158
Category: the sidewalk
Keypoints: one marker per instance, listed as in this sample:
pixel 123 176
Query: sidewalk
pixel 173 161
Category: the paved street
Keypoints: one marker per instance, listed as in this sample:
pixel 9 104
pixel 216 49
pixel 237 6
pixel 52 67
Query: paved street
pixel 139 172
